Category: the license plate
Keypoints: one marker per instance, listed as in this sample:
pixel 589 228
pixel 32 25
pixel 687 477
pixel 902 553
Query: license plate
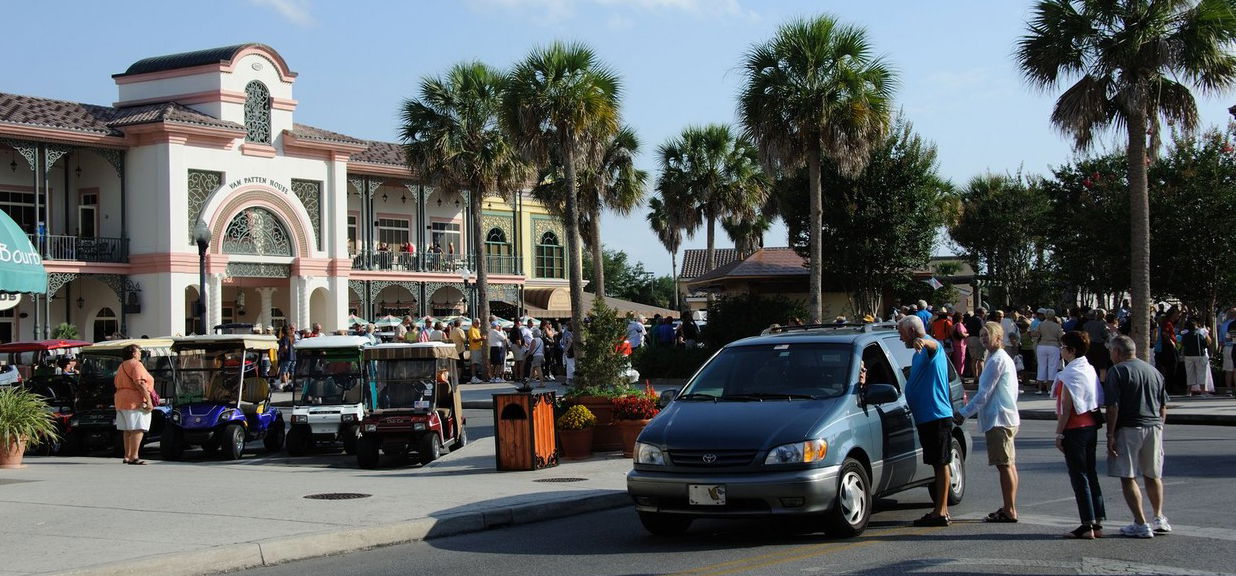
pixel 706 494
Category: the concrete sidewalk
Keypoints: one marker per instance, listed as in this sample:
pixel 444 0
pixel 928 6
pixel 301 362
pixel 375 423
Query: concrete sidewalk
pixel 93 515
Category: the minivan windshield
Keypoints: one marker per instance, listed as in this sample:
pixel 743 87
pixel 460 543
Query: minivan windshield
pixel 808 370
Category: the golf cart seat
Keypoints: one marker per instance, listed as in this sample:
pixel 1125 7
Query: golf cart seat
pixel 354 394
pixel 257 391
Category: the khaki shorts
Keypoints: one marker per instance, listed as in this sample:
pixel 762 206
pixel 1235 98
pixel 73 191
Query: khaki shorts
pixel 1139 452
pixel 1000 450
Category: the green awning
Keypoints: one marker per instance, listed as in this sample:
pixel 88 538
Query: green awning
pixel 21 268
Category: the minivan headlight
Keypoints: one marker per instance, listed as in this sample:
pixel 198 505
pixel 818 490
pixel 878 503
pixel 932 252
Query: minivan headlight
pixel 649 454
pixel 798 453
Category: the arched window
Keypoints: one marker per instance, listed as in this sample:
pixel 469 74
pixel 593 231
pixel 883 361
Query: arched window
pixel 550 257
pixel 498 252
pixel 105 325
pixel 257 113
pixel 257 231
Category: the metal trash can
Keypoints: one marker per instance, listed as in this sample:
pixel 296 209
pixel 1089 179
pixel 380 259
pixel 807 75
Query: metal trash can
pixel 524 431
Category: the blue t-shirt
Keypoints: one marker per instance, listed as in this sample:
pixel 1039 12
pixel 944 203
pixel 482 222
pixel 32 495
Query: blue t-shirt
pixel 925 316
pixel 927 390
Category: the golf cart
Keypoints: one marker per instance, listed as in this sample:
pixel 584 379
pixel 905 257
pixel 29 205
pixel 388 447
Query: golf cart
pixel 329 383
pixel 414 402
pixel 222 400
pixel 59 391
pixel 93 426
pixel 38 357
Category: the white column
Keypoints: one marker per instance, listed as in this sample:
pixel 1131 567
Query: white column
pixel 265 295
pixel 304 287
pixel 214 316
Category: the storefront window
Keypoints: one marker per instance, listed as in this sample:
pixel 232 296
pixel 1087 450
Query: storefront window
pixel 550 257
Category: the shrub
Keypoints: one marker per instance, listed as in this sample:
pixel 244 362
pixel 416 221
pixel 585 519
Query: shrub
pixel 642 406
pixel 24 414
pixel 599 366
pixel 740 316
pixel 665 362
pixel 577 417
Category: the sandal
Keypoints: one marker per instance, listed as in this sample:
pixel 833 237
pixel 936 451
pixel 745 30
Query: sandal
pixel 1000 516
pixel 932 520
pixel 138 462
pixel 1083 532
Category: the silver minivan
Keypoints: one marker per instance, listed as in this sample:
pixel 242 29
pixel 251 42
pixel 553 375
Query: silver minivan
pixel 778 426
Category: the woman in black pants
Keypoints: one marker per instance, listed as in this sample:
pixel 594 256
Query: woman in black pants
pixel 1077 428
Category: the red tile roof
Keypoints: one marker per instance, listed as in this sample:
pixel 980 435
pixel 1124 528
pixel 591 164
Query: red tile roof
pixel 78 117
pixel 693 261
pixel 765 263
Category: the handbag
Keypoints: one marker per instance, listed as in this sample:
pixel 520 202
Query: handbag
pixel 1018 363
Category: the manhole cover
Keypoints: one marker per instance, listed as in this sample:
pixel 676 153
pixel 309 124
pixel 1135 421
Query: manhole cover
pixel 561 480
pixel 337 496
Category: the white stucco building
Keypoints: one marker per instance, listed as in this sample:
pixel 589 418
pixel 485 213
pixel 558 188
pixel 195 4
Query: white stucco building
pixel 297 215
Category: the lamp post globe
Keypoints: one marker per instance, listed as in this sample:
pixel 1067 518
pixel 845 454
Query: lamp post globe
pixel 201 235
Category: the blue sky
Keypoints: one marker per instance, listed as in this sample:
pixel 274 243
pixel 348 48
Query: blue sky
pixel 678 60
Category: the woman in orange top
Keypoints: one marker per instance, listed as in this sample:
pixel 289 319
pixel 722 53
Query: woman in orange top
pixel 133 405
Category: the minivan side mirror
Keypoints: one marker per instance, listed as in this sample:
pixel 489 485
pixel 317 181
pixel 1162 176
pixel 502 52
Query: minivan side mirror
pixel 667 397
pixel 880 394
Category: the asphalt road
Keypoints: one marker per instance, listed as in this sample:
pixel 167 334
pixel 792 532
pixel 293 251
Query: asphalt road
pixel 1201 463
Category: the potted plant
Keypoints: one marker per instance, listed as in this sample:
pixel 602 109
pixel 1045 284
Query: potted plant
pixel 25 420
pixel 575 432
pixel 599 373
pixel 632 412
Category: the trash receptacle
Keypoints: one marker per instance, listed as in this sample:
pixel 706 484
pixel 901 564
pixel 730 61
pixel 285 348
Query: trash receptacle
pixel 524 431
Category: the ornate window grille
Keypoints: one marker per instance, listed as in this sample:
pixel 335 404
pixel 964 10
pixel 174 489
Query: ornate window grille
pixel 550 257
pixel 257 231
pixel 257 113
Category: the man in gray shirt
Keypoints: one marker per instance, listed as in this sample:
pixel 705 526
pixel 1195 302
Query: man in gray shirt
pixel 1136 410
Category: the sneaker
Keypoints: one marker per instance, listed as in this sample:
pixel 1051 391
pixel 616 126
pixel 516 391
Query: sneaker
pixel 1160 525
pixel 550 377
pixel 475 380
pixel 1136 530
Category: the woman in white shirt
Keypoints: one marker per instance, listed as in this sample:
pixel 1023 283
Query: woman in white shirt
pixel 995 402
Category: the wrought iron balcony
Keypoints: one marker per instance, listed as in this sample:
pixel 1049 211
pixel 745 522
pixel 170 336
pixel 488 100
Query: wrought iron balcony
pixel 75 248
pixel 388 261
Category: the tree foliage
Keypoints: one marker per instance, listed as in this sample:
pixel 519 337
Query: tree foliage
pixel 1002 230
pixel 880 224
pixel 630 281
pixel 1089 214
pixel 738 316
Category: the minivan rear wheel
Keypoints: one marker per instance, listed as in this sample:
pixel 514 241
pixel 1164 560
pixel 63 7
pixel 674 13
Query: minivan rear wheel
pixel 664 524
pixel 852 507
pixel 957 477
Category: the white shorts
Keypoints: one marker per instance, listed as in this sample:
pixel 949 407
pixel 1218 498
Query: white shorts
pixel 133 420
pixel 1139 452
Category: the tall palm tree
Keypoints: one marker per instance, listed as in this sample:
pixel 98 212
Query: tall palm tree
pixel 815 91
pixel 613 183
pixel 558 100
pixel 1131 59
pixel 707 173
pixel 453 138
pixel 669 231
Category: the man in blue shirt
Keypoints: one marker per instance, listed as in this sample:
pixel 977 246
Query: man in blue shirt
pixel 923 313
pixel 928 399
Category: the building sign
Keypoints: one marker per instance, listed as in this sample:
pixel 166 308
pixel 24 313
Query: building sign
pixel 264 181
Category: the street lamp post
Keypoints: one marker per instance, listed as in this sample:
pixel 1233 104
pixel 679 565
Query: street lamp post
pixel 466 276
pixel 201 235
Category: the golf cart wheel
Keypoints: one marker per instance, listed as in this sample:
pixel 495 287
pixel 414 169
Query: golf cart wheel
pixel 350 436
pixel 664 524
pixel 275 433
pixel 298 441
pixel 233 441
pixel 429 448
pixel 462 440
pixel 171 444
pixel 367 452
pixel 852 507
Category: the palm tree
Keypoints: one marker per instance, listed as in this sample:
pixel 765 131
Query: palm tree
pixel 665 225
pixel 452 136
pixel 815 91
pixel 613 183
pixel 558 100
pixel 708 173
pixel 1130 59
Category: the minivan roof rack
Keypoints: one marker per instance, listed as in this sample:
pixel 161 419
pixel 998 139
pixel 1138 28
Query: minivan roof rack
pixel 864 326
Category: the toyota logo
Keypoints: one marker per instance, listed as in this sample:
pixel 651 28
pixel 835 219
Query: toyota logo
pixel 709 458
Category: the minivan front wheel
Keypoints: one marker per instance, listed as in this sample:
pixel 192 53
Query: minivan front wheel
pixel 664 524
pixel 852 508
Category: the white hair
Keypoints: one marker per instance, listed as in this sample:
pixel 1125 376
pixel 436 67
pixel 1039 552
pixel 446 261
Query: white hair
pixel 912 324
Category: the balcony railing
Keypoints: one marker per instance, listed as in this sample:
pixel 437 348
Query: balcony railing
pixel 76 248
pixel 444 263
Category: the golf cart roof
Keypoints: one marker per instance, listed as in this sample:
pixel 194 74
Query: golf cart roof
pixel 246 341
pixel 156 346
pixel 42 345
pixel 404 350
pixel 320 342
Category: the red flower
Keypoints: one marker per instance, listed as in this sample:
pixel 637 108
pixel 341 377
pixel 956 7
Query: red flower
pixel 635 407
pixel 1227 148
pixel 1087 183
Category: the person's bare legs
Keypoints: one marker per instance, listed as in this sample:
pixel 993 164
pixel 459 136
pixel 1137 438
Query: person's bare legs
pixel 1133 497
pixel 1154 492
pixel 1008 488
pixel 943 479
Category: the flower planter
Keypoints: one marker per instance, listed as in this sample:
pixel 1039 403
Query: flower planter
pixel 605 436
pixel 11 455
pixel 576 444
pixel 630 429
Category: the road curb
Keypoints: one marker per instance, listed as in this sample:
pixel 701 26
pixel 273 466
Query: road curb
pixel 246 555
pixel 1172 418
